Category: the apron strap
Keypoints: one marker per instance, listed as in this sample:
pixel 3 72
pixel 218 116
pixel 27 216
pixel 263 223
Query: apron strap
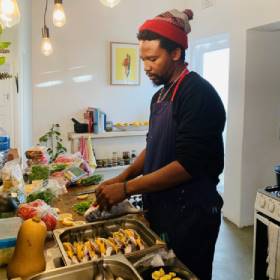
pixel 184 74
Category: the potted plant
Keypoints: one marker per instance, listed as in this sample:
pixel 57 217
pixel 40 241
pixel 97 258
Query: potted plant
pixel 53 141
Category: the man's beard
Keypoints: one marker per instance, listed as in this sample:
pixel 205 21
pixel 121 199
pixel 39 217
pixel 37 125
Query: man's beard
pixel 157 80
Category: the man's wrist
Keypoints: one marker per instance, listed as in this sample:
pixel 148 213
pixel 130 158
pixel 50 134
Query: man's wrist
pixel 125 189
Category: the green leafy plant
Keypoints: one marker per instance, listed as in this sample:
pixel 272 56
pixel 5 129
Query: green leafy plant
pixel 53 141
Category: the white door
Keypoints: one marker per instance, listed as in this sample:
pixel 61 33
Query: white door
pixel 6 116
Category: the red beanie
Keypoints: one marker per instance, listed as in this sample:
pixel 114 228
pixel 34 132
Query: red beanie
pixel 173 25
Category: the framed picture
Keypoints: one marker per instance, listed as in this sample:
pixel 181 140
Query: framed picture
pixel 125 64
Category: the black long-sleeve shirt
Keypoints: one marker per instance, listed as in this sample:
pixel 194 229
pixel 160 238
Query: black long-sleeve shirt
pixel 200 117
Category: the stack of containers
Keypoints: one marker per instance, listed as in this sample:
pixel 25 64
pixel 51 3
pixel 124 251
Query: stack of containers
pixel 8 235
pixel 4 146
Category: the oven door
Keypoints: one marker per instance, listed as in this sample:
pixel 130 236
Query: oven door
pixel 261 245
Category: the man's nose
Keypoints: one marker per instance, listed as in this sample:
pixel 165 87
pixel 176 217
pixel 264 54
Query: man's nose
pixel 147 67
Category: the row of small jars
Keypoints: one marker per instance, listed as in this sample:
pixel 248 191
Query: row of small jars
pixel 116 160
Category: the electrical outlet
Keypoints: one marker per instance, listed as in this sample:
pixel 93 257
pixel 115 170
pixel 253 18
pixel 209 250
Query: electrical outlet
pixel 207 3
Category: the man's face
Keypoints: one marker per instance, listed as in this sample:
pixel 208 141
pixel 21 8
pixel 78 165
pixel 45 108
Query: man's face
pixel 158 63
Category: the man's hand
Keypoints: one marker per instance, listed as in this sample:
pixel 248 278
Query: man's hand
pixel 108 195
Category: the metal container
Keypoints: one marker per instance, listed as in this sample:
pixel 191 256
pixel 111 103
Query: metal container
pixel 118 265
pixel 105 229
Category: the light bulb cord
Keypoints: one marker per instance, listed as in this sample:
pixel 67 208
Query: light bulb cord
pixel 45 13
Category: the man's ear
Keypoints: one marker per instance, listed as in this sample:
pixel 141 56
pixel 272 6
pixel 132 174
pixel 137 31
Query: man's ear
pixel 176 54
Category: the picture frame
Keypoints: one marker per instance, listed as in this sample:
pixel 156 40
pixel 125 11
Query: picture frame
pixel 125 64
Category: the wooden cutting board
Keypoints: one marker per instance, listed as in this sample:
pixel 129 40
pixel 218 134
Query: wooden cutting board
pixel 66 201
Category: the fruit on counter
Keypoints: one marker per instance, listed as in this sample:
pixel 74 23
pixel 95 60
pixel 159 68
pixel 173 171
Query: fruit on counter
pixel 28 257
pixel 134 123
pixel 122 241
pixel 68 222
pixel 63 216
pixel 82 196
pixel 91 180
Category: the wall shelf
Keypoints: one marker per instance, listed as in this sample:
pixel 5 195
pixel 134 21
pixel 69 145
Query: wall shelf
pixel 72 135
pixel 108 169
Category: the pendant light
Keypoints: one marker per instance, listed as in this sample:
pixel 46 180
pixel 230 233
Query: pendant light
pixel 46 45
pixel 9 13
pixel 110 3
pixel 59 17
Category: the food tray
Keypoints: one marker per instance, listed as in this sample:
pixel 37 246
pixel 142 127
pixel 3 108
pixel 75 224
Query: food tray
pixel 118 265
pixel 104 229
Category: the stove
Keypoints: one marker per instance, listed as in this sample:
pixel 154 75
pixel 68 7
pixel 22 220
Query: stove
pixel 267 211
pixel 268 202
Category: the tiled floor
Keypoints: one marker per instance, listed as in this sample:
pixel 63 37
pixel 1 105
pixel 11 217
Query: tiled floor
pixel 234 251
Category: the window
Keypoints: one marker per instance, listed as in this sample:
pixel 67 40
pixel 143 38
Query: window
pixel 210 58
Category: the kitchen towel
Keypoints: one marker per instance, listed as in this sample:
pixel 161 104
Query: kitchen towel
pixel 273 257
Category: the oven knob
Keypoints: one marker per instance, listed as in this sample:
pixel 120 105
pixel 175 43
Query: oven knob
pixel 271 206
pixel 262 202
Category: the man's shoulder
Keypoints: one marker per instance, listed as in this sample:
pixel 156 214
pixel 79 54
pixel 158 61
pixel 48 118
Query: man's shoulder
pixel 196 84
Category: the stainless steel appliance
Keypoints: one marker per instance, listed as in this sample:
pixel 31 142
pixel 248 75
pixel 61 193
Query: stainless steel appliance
pixel 267 209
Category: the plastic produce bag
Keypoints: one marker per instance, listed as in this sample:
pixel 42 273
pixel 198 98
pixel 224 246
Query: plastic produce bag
pixel 155 259
pixel 12 177
pixel 37 155
pixel 47 191
pixel 122 208
pixel 41 209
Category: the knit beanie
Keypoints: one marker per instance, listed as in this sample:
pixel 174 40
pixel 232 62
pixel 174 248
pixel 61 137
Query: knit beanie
pixel 173 25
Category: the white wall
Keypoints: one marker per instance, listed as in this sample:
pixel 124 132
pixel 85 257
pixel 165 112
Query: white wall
pixel 84 43
pixel 81 47
pixel 235 17
pixel 261 147
pixel 20 60
pixel 24 73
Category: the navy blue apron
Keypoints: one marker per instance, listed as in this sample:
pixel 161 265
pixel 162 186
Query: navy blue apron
pixel 187 215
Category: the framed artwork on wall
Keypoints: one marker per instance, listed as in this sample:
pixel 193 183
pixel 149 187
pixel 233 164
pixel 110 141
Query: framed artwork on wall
pixel 125 64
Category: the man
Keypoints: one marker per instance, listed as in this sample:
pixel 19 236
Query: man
pixel 184 153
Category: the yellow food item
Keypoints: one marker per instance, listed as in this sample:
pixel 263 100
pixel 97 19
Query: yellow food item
pixel 68 222
pixel 57 210
pixel 79 223
pixel 83 196
pixel 28 257
pixel 68 249
pixel 158 274
pixel 79 247
pixel 63 216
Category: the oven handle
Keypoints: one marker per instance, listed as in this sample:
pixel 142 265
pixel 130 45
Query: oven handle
pixel 263 219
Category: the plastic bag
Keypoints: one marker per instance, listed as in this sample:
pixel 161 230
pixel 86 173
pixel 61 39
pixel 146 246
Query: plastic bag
pixel 37 155
pixel 155 259
pixel 122 208
pixel 47 191
pixel 41 209
pixel 12 177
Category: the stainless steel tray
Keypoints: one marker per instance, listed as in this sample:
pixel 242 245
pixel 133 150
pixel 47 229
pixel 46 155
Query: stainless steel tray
pixel 118 265
pixel 104 229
